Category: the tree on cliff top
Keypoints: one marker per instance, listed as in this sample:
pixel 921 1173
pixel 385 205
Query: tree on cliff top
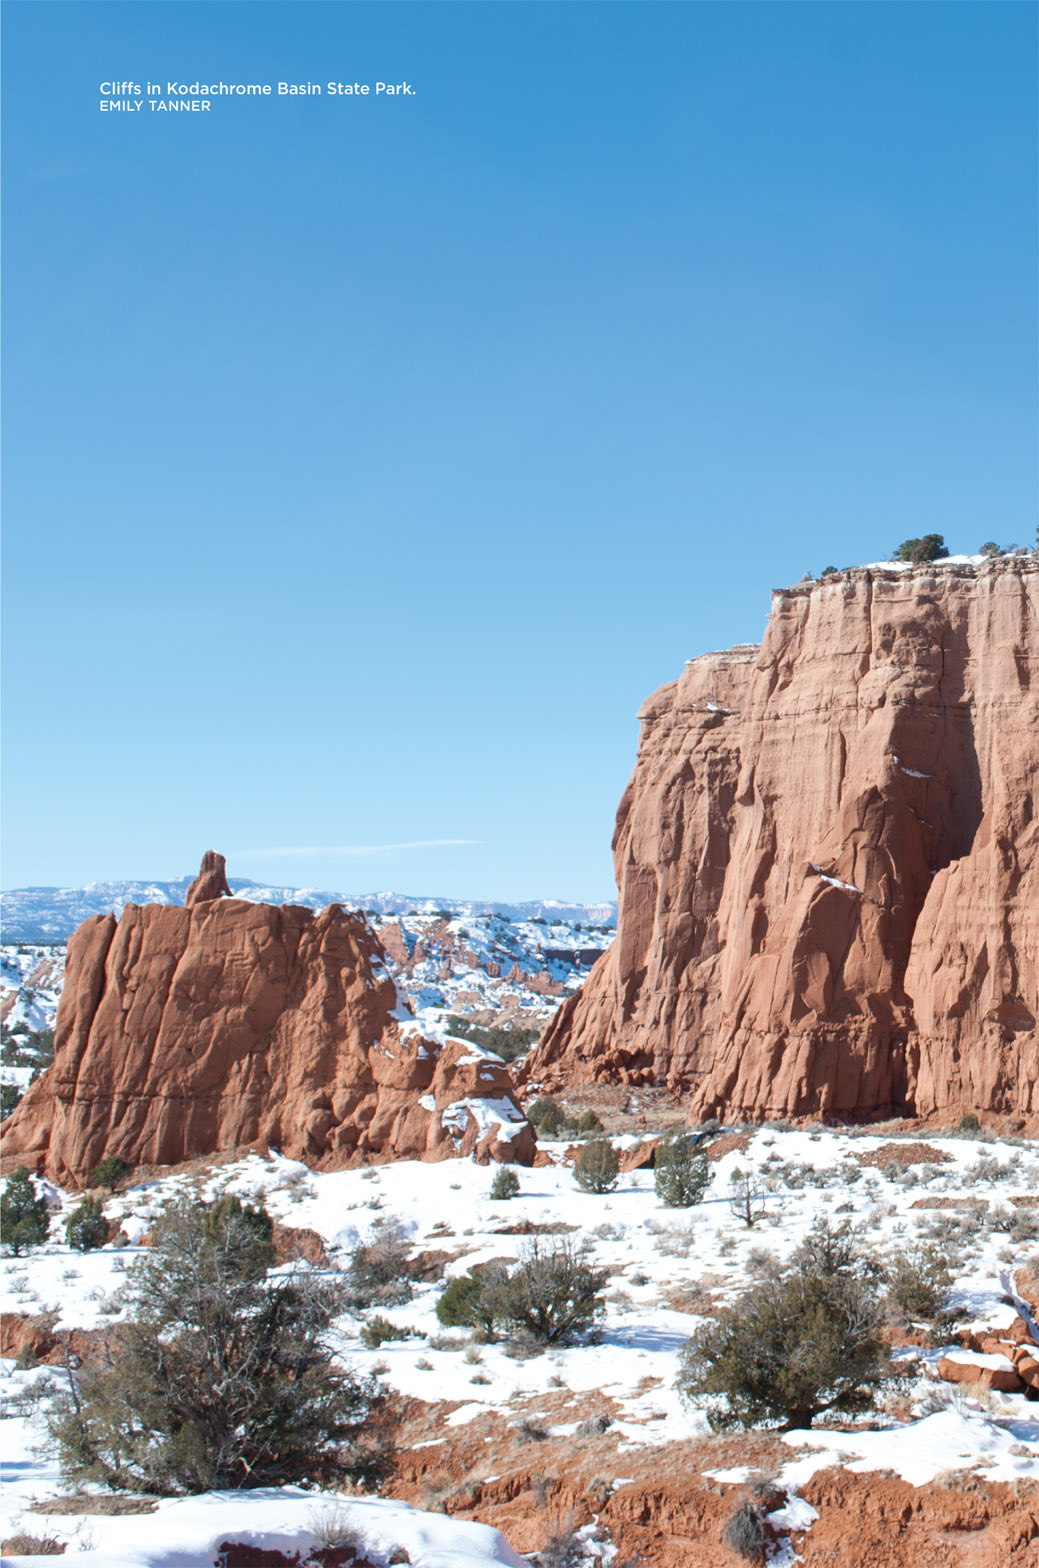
pixel 223 1376
pixel 930 548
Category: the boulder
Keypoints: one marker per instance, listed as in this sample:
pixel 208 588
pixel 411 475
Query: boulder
pixel 995 1372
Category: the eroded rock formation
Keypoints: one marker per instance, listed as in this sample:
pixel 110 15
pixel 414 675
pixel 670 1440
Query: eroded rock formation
pixel 211 881
pixel 828 862
pixel 182 1032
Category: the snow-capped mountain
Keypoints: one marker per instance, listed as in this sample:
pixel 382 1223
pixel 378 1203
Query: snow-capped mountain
pixel 51 914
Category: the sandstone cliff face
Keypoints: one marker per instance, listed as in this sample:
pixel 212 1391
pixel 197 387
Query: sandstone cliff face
pixel 182 1032
pixel 828 862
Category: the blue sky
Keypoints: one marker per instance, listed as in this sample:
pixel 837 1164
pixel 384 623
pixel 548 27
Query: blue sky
pixel 369 460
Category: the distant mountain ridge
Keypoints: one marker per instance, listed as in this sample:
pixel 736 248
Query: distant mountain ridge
pixel 51 914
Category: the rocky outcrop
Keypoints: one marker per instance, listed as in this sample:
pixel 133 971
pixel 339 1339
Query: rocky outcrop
pixel 184 1032
pixel 828 862
pixel 664 1505
pixel 211 881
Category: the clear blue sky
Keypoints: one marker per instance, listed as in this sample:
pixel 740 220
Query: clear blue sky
pixel 369 460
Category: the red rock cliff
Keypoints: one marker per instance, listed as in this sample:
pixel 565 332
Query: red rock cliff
pixel 182 1032
pixel 828 862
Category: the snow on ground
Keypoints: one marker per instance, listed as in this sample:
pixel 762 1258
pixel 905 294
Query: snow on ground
pixel 913 566
pixel 188 1532
pixel 496 971
pixel 31 975
pixel 661 1263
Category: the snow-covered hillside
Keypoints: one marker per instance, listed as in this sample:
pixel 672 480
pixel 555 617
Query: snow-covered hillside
pixel 477 1414
pixel 51 914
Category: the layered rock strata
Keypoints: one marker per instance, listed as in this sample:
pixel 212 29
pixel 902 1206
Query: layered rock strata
pixel 183 1032
pixel 828 862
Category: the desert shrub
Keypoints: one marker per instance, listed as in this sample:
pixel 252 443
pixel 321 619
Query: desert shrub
pixel 378 1274
pixel 1018 1225
pixel 506 1043
pixel 681 1174
pixel 916 1283
pixel 760 1261
pixel 747 1533
pixel 969 1122
pixel 86 1227
pixel 459 1303
pixel 244 1229
pixel 110 1171
pixel 220 1377
pixel 805 1341
pixel 597 1168
pixel 505 1184
pixel 989 1169
pixel 564 1548
pixel 546 1116
pixel 10 1096
pixel 39 1051
pixel 746 1198
pixel 25 1544
pixel 943 1326
pixel 551 1296
pixel 23 1216
pixel 528 1431
pixel 379 1329
pixel 930 548
pixel 589 1124
pixel 333 1525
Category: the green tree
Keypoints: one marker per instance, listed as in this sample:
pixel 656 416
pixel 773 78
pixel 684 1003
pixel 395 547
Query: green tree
pixel 10 1094
pixel 805 1341
pixel 506 1043
pixel 86 1227
pixel 221 1377
pixel 930 548
pixel 505 1184
pixel 245 1232
pixel 597 1168
pixel 546 1116
pixel 459 1303
pixel 110 1171
pixel 681 1174
pixel 24 1221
